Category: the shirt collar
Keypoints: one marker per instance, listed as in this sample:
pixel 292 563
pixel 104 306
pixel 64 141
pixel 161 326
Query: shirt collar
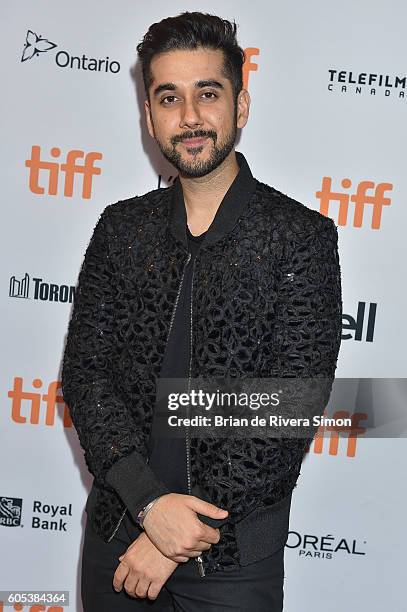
pixel 230 209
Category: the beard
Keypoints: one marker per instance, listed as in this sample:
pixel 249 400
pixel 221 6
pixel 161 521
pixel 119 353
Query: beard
pixel 196 167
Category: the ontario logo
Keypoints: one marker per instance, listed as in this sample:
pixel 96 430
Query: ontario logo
pixel 36 45
pixel 10 511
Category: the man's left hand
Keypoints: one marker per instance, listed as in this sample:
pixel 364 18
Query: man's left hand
pixel 143 569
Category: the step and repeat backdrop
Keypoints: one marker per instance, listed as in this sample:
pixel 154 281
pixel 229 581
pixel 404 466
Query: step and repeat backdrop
pixel 327 127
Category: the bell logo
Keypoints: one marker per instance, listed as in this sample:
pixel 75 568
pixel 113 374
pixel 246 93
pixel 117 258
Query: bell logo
pixel 35 399
pixel 360 200
pixel 70 168
pixel 362 322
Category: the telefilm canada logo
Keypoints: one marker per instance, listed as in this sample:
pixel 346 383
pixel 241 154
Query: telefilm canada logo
pixel 37 45
pixel 37 289
pixel 10 511
pixel 367 83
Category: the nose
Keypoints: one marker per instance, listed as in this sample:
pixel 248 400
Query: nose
pixel 190 116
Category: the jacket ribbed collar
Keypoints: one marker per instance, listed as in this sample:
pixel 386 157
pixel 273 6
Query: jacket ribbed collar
pixel 230 209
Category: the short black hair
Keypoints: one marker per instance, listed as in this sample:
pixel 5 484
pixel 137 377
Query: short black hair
pixel 190 30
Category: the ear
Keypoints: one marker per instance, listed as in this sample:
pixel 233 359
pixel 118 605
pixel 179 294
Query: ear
pixel 149 119
pixel 243 107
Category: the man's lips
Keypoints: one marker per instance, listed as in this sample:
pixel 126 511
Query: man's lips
pixel 194 142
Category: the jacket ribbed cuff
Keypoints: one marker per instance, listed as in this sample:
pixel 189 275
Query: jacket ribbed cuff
pixel 135 482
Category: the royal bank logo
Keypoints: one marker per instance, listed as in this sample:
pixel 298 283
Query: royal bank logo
pixel 41 290
pixel 10 511
pixel 36 45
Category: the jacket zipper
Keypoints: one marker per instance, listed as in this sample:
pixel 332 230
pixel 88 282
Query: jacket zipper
pixel 117 526
pixel 198 559
pixel 229 461
pixel 168 335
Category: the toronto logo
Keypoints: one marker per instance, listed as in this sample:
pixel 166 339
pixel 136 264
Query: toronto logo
pixel 51 292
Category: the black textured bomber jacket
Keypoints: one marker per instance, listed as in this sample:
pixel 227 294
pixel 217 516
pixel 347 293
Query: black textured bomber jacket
pixel 266 302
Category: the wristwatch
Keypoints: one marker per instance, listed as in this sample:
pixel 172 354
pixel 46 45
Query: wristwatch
pixel 144 511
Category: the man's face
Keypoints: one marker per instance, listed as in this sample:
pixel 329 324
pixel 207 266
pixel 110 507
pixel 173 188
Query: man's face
pixel 192 113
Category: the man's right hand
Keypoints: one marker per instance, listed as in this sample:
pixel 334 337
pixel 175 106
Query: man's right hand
pixel 174 528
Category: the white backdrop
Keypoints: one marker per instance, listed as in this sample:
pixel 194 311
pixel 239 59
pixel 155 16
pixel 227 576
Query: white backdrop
pixel 311 125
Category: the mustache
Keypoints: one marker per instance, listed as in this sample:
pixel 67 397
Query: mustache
pixel 194 134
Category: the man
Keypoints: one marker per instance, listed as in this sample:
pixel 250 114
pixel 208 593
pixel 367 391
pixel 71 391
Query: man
pixel 218 275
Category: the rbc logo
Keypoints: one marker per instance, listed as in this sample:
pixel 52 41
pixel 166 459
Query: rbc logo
pixel 10 511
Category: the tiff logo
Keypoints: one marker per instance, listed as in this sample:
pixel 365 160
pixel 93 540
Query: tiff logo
pixel 248 65
pixel 352 432
pixel 36 608
pixel 51 399
pixel 360 199
pixel 71 168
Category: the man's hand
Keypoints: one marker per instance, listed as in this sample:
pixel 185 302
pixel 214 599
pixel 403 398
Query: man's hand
pixel 143 570
pixel 174 528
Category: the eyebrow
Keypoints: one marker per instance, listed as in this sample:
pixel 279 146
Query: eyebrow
pixel 198 84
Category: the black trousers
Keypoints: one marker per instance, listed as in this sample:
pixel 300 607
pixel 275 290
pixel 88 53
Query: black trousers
pixel 257 587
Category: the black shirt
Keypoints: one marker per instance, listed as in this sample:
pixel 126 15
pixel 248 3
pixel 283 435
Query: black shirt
pixel 168 454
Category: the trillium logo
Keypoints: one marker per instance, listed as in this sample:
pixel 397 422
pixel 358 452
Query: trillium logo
pixel 34 45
